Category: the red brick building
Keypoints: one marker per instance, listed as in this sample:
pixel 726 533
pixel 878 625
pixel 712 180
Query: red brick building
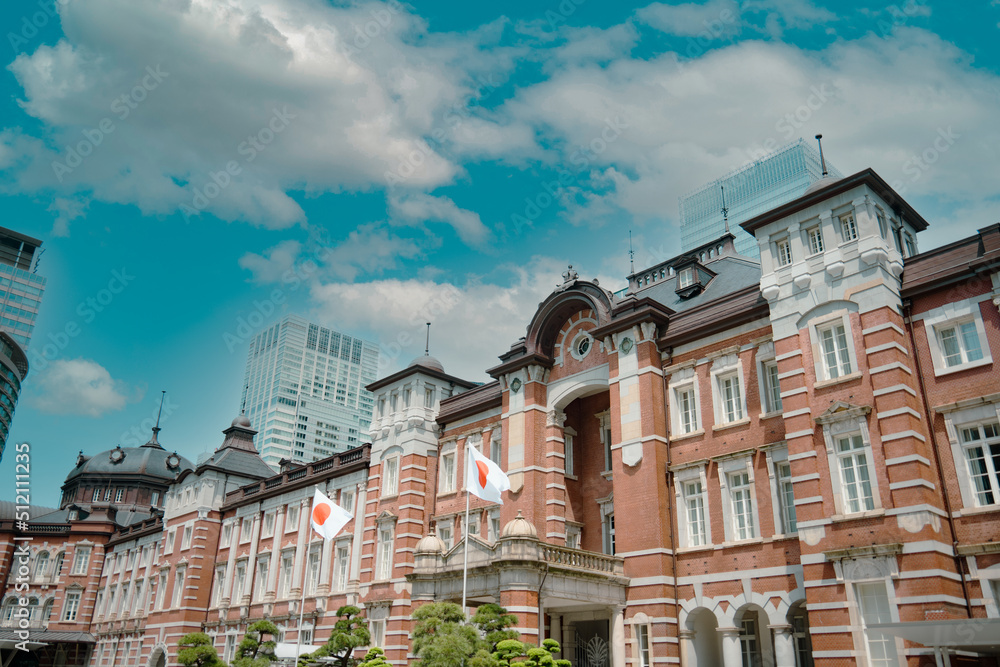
pixel 787 461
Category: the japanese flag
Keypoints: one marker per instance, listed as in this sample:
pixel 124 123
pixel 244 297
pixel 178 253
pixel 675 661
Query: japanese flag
pixel 483 478
pixel 327 519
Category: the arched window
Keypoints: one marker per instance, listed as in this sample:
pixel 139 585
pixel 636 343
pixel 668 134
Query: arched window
pixel 42 562
pixel 57 570
pixel 47 610
pixel 8 610
pixel 33 609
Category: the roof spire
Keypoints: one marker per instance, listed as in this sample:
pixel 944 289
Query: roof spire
pixel 631 254
pixel 427 345
pixel 154 442
pixel 725 210
pixel 822 160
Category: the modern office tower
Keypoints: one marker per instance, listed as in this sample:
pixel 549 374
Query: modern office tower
pixel 21 292
pixel 305 390
pixel 21 288
pixel 762 185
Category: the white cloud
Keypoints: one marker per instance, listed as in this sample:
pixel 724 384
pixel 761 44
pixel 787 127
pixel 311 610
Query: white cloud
pixel 79 387
pixel 274 263
pixel 334 97
pixel 879 102
pixel 419 208
pixel 66 211
pixel 711 20
pixel 472 323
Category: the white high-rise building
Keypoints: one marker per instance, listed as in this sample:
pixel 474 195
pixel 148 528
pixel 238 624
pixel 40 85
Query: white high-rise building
pixel 305 390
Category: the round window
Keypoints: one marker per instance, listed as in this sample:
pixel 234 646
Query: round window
pixel 583 346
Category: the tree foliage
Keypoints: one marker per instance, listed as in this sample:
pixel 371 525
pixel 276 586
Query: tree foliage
pixel 513 653
pixel 495 624
pixel 349 632
pixel 441 638
pixel 197 651
pixel 374 658
pixel 254 650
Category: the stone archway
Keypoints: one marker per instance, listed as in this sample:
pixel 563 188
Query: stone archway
pixel 158 658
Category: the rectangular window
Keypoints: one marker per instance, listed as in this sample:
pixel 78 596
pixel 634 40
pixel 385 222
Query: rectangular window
pixel 186 538
pixel 772 386
pixel 854 474
pixel 911 245
pixel 137 601
pixel 119 495
pixel 260 589
pixel 609 534
pixel 384 552
pixel 686 410
pixel 494 526
pixel 342 568
pixel 161 591
pixel 959 343
pixel 81 558
pixel 239 581
pixel 285 585
pixel 836 357
pixel 873 603
pixel 495 446
pixel 569 453
pixel 748 643
pixel 447 482
pixel 227 534
pixel 97 496
pixel 605 419
pixel 229 652
pixel 685 278
pixel 786 497
pixel 982 454
pixel 292 519
pixel 307 636
pixel 783 252
pixel 741 495
pixel 731 395
pixel 642 639
pixel 390 477
pixel 246 528
pixel 694 506
pixel 377 632
pixel 71 606
pixel 347 500
pixel 312 574
pixel 444 532
pixel 573 537
pixel 267 528
pixel 178 599
pixel 220 584
pixel 107 494
pixel 883 228
pixel 848 227
pixel 815 241
pixel 155 499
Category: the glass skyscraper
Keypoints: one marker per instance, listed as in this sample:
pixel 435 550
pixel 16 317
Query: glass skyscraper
pixel 21 292
pixel 763 184
pixel 305 390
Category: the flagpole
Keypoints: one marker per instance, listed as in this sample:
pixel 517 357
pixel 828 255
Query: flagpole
pixel 465 566
pixel 302 609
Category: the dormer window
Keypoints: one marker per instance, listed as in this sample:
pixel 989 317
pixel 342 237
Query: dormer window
pixel 685 278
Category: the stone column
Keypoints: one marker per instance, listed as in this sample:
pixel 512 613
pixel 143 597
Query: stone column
pixel 252 561
pixel 227 591
pixel 784 646
pixel 731 655
pixel 555 631
pixel 618 637
pixel 300 549
pixel 271 590
pixel 360 501
pixel 686 648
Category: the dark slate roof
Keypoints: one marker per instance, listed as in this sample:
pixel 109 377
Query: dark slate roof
pixel 145 460
pixel 732 275
pixel 468 402
pixel 52 516
pixel 8 510
pixel 239 462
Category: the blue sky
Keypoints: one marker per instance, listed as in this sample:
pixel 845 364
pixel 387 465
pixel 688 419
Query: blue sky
pixel 373 165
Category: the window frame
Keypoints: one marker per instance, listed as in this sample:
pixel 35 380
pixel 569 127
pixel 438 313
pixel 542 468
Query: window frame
pixel 682 381
pixel 814 239
pixel 569 456
pixel 955 315
pixel 81 561
pixel 841 424
pixel 683 477
pixel 960 450
pixel 784 525
pixel 390 462
pixel 77 597
pixel 783 252
pixel 848 226
pixel 726 368
pixel 385 538
pixel 448 478
pixel 727 469
pixel 826 323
